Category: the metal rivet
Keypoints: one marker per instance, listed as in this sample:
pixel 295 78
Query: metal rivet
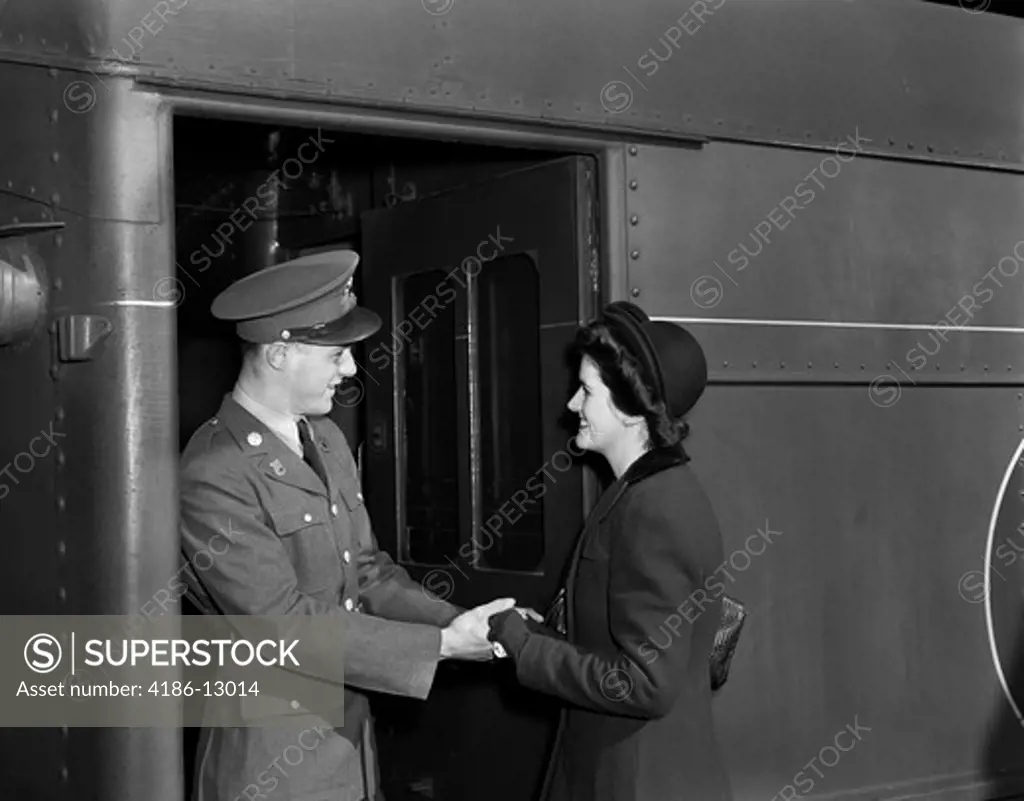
pixel 58 283
pixel 836 365
pixel 31 190
pixel 862 367
pixel 633 184
pixel 61 548
pixel 634 220
pixel 10 183
pixel 986 368
pixel 58 414
pixel 53 327
pixel 62 594
pixel 55 197
pixel 635 255
pixel 64 773
pixel 64 731
pixel 55 156
pixel 725 364
pixel 61 503
pixel 58 239
pixel 55 371
pixel 61 458
pixel 635 292
pixel 632 150
pixel 53 115
pixel 809 365
pixel 782 365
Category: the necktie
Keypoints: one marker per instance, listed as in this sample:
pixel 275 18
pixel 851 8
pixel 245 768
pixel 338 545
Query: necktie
pixel 310 454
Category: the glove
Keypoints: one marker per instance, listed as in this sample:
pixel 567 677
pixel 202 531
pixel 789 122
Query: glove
pixel 509 630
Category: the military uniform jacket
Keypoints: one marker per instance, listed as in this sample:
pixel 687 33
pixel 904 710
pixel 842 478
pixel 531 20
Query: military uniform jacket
pixel 633 667
pixel 297 547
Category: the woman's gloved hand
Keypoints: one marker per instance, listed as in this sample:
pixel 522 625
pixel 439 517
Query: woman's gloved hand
pixel 510 630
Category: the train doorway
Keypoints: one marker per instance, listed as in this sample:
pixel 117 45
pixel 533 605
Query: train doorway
pixel 481 260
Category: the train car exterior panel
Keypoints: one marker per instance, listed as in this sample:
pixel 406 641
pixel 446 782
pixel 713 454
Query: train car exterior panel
pixel 848 529
pixel 103 377
pixel 938 83
pixel 825 267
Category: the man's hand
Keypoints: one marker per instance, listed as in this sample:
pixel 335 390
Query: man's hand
pixel 466 636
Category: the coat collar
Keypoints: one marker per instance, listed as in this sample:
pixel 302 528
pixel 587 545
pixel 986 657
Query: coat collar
pixel 269 454
pixel 652 462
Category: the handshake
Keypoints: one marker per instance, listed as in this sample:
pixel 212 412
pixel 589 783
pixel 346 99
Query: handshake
pixel 466 636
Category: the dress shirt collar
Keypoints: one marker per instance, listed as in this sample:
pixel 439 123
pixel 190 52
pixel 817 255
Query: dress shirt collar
pixel 285 426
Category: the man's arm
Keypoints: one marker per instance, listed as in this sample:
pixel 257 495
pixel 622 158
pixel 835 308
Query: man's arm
pixel 253 575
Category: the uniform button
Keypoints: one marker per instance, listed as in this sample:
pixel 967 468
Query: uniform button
pixel 334 509
pixel 347 557
pixel 308 517
pixel 349 604
pixel 295 704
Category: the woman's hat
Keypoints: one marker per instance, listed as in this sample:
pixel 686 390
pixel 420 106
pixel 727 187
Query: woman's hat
pixel 671 358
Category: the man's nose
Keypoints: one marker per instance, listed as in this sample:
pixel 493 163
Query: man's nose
pixel 347 368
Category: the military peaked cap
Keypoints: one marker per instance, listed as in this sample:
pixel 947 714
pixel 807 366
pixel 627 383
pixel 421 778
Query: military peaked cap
pixel 303 300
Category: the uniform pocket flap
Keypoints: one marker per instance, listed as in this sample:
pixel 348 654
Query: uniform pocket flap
pixel 288 521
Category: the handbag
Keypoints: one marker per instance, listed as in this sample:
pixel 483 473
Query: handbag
pixel 734 615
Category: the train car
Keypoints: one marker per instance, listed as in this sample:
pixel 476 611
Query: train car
pixel 827 193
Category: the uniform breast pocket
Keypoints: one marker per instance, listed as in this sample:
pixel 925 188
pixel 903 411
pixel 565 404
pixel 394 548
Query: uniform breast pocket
pixel 351 494
pixel 309 541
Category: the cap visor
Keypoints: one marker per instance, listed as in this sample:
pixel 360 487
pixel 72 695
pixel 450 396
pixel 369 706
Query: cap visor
pixel 354 327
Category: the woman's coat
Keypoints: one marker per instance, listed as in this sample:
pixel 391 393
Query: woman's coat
pixel 633 667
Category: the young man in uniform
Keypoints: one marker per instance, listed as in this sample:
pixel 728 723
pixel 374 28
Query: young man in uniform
pixel 274 482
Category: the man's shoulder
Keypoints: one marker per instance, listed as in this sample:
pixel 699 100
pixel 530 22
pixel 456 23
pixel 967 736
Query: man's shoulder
pixel 211 447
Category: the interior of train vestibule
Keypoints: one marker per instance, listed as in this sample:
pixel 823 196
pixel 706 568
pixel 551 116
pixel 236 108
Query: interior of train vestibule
pixel 493 252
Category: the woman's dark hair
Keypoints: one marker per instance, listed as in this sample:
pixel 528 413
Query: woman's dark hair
pixel 631 393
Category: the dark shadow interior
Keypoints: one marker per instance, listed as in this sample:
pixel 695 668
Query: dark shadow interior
pixel 248 196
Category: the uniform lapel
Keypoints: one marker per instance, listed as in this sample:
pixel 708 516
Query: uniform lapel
pixel 269 454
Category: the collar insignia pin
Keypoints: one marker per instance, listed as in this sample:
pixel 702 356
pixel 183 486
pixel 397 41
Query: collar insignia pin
pixel 254 439
pixel 277 467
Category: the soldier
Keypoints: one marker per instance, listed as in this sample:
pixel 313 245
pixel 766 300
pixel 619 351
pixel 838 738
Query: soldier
pixel 276 478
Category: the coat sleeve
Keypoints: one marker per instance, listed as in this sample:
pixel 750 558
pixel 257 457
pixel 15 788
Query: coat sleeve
pixel 252 575
pixel 651 574
pixel 385 588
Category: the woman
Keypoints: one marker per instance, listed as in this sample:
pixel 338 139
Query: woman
pixel 633 667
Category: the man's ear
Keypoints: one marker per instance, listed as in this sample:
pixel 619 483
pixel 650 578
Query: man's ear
pixel 276 354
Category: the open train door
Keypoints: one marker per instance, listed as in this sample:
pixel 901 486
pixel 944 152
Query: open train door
pixel 469 481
